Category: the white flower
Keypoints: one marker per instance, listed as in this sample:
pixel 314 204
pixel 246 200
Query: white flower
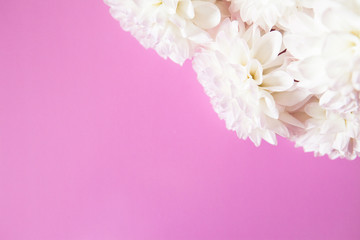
pixel 265 13
pixel 327 132
pixel 240 72
pixel 174 28
pixel 327 47
pixel 270 67
pixel 123 11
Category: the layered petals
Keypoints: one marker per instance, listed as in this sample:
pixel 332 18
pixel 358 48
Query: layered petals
pixel 270 67
pixel 174 28
pixel 241 86
pixel 330 133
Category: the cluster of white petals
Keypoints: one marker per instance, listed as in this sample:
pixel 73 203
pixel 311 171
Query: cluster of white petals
pixel 174 28
pixel 326 47
pixel 240 71
pixel 328 132
pixel 270 67
pixel 264 13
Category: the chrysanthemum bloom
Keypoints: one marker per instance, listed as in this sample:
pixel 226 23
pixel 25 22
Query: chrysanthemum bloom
pixel 327 132
pixel 174 28
pixel 265 13
pixel 240 71
pixel 327 47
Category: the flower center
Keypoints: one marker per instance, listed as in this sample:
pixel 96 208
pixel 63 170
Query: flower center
pixel 356 33
pixel 158 3
pixel 255 72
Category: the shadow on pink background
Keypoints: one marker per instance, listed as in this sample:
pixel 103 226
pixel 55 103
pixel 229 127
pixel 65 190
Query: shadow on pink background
pixel 102 139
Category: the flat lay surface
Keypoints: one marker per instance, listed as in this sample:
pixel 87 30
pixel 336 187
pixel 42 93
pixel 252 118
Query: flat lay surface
pixel 102 139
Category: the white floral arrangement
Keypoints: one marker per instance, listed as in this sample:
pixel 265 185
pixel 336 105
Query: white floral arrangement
pixel 270 67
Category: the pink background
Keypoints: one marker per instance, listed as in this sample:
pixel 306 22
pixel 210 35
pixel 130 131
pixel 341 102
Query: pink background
pixel 102 139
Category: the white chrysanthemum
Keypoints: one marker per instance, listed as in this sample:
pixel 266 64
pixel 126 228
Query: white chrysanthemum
pixel 174 28
pixel 240 72
pixel 327 132
pixel 327 46
pixel 265 13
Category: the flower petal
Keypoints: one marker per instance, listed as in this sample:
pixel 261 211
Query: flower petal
pixel 267 48
pixel 288 118
pixel 268 105
pixel 207 15
pixel 277 81
pixel 290 98
pixel 314 110
pixel 171 5
pixel 186 9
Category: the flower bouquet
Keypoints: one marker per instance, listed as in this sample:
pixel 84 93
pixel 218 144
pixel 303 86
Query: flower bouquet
pixel 270 67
